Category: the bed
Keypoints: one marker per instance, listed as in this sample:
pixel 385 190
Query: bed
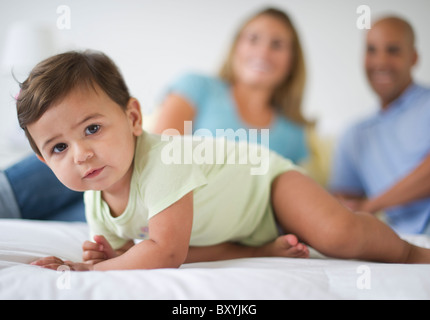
pixel 318 277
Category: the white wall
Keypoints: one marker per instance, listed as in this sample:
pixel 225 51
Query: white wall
pixel 154 41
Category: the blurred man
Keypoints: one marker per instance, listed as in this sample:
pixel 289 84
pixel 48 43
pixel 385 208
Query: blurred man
pixel 383 162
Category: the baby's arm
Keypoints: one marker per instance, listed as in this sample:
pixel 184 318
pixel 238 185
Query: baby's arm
pixel 100 250
pixel 167 246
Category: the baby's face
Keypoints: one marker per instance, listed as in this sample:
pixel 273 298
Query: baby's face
pixel 88 140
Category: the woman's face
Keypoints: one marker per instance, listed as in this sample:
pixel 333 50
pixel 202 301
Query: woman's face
pixel 264 53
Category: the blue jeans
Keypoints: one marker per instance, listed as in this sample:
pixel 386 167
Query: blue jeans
pixel 29 190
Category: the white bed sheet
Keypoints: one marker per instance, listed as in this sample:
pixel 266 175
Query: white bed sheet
pixel 256 279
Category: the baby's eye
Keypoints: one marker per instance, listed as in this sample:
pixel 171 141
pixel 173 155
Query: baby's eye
pixel 59 147
pixel 92 129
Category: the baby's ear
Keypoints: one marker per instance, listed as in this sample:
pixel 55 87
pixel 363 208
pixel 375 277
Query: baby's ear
pixel 135 116
pixel 41 158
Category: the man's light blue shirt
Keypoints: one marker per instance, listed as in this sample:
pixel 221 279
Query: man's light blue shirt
pixel 376 153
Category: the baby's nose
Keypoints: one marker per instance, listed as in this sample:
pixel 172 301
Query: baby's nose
pixel 82 153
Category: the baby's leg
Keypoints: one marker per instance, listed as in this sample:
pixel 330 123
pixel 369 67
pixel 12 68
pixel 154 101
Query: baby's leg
pixel 318 219
pixel 286 246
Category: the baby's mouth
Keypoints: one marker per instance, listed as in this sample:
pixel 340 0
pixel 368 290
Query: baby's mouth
pixel 92 173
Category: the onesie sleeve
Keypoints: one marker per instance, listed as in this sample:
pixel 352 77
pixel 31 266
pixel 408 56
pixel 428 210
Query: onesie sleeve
pixel 169 175
pixel 96 220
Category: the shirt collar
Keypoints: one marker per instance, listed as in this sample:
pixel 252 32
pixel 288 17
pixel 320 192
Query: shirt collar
pixel 402 101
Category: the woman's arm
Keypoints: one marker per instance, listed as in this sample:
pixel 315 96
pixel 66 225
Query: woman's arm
pixel 173 112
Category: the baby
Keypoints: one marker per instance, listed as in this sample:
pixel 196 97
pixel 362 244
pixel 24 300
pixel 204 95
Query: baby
pixel 81 121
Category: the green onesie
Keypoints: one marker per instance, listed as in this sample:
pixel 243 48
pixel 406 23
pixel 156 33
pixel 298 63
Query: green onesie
pixel 230 182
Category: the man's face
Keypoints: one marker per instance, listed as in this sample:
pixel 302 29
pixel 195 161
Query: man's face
pixel 88 140
pixel 390 56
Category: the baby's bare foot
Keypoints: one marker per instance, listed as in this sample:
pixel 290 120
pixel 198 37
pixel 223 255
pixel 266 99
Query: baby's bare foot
pixel 286 246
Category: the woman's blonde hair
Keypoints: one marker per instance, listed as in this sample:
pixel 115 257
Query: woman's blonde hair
pixel 287 97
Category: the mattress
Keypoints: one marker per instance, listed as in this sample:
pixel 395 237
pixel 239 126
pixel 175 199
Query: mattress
pixel 317 277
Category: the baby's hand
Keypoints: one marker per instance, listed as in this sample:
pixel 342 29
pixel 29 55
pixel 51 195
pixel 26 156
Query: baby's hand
pixel 98 251
pixel 55 263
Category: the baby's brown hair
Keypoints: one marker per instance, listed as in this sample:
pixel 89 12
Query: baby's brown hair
pixel 53 79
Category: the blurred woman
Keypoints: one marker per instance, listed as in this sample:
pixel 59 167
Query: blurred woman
pixel 260 86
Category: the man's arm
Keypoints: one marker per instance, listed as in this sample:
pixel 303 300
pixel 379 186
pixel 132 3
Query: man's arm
pixel 414 186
